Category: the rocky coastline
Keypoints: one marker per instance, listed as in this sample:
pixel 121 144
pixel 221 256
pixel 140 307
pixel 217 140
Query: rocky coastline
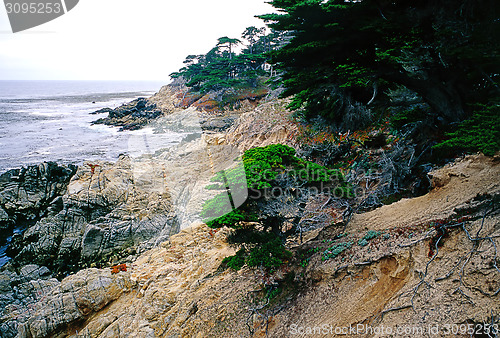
pixel 26 194
pixel 92 216
pixel 170 99
pixel 101 214
pixel 117 249
pixel 131 116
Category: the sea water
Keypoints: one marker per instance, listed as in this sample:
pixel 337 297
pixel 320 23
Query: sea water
pixel 51 120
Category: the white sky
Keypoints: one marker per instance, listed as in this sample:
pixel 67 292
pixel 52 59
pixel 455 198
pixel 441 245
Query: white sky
pixel 122 39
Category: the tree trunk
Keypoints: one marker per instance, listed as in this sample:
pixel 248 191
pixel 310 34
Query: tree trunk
pixel 443 97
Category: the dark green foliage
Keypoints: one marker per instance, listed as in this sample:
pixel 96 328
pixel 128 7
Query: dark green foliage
pixel 249 236
pixel 217 207
pixel 270 255
pixel 224 69
pixel 405 117
pixel 237 261
pixel 341 53
pixel 264 249
pixel 234 177
pixel 264 164
pixel 230 219
pixel 479 133
pixel 261 164
pixel 262 167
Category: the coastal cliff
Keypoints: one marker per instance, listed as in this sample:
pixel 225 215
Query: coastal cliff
pixel 120 249
pixel 178 289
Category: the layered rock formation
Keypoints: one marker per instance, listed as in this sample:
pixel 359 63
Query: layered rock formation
pixel 19 293
pixel 146 300
pixel 26 193
pixel 268 123
pixel 107 213
pixel 389 280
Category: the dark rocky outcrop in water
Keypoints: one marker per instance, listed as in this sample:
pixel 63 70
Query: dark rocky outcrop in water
pixel 130 116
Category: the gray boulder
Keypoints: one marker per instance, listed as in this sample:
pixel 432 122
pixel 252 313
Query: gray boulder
pixel 26 193
pixel 108 213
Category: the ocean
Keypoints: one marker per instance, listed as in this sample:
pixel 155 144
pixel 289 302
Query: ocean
pixel 51 120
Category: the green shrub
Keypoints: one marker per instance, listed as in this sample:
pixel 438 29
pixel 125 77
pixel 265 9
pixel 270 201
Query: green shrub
pixel 479 133
pixel 335 250
pixel 249 235
pixel 270 255
pixel 237 261
pixel 404 117
pixel 262 165
pixel 213 187
pixel 315 173
pixel 216 207
pixel 266 250
pixel 261 169
pixel 234 177
pixel 274 154
pixel 230 219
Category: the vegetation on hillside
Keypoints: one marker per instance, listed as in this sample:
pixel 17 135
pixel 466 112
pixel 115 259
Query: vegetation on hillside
pixel 280 185
pixel 233 69
pixel 380 91
pixel 349 63
pixel 343 54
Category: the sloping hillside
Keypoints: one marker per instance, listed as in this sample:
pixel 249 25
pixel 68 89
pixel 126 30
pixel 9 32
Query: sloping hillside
pixel 394 279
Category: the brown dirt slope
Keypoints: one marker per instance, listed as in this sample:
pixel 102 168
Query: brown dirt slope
pixel 396 281
pixel 453 185
pixel 392 281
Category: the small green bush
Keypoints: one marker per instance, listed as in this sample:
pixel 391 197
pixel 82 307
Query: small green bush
pixel 479 133
pixel 230 219
pixel 270 255
pixel 262 165
pixel 336 250
pixel 237 261
pixel 266 250
pixel 234 177
pixel 250 236
pixel 404 117
pixel 218 206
